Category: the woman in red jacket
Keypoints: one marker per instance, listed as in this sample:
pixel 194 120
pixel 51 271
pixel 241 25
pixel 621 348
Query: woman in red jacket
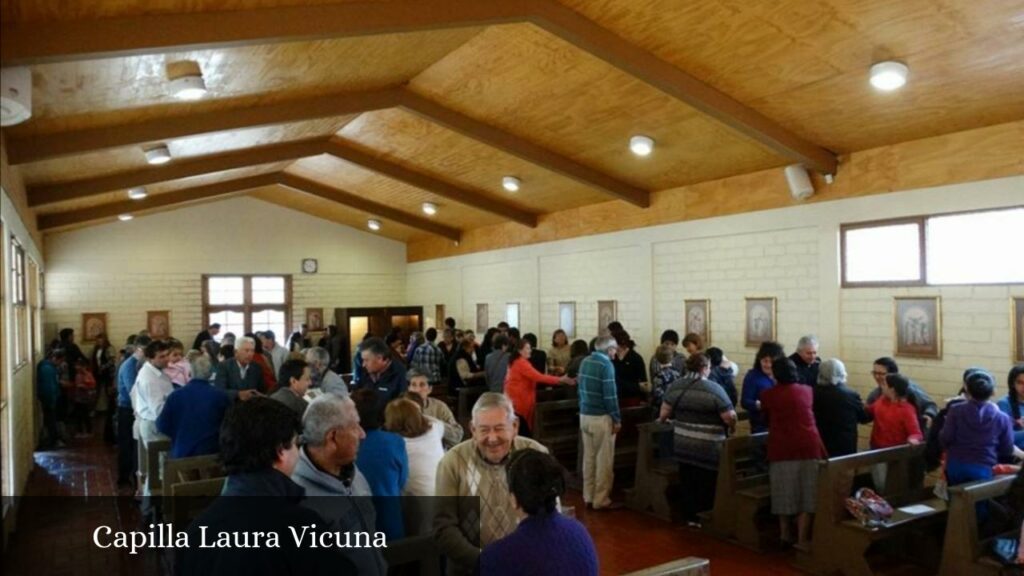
pixel 794 447
pixel 521 382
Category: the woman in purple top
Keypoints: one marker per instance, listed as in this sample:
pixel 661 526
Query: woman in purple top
pixel 976 434
pixel 757 380
pixel 545 543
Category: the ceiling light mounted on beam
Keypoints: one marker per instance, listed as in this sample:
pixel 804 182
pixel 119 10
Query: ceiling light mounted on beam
pixel 641 145
pixel 429 208
pixel 888 76
pixel 137 193
pixel 511 183
pixel 125 217
pixel 186 80
pixel 373 224
pixel 158 155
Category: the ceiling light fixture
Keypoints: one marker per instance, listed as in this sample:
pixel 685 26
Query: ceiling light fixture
pixel 511 183
pixel 641 145
pixel 889 76
pixel 125 217
pixel 158 155
pixel 373 224
pixel 137 193
pixel 429 208
pixel 188 86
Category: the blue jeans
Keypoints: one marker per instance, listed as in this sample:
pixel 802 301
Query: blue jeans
pixel 962 473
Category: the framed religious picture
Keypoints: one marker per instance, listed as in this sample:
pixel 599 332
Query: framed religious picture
pixel 481 318
pixel 697 319
pixel 1017 324
pixel 760 322
pixel 315 319
pixel 158 323
pixel 567 318
pixel 607 312
pixel 917 323
pixel 439 316
pixel 93 324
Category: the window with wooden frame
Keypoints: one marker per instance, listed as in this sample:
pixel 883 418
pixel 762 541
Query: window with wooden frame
pixel 962 248
pixel 19 304
pixel 248 303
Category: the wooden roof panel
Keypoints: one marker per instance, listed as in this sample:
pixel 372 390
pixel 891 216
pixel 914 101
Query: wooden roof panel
pixel 424 146
pixel 338 213
pixel 536 86
pixel 382 190
pixel 103 162
pixel 79 95
pixel 52 10
pixel 161 188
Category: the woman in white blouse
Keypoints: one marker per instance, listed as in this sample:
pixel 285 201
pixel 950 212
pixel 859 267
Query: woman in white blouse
pixel 423 435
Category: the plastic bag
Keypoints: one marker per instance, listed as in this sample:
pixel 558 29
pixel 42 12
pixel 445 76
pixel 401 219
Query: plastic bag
pixel 869 508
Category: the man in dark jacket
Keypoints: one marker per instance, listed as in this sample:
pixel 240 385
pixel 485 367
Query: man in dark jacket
pixel 806 360
pixel 837 410
pixel 205 335
pixel 383 373
pixel 240 377
pixel 259 448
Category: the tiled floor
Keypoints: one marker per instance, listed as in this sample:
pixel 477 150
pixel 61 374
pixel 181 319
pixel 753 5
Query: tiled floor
pixel 50 540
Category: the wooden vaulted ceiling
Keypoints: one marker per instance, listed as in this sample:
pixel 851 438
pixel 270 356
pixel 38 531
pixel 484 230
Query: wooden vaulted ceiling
pixel 353 110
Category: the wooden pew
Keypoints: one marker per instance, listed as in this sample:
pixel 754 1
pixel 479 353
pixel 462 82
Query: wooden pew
pixel 420 553
pixel 557 426
pixel 191 498
pixel 467 397
pixel 841 543
pixel 184 470
pixel 655 472
pixel 690 566
pixel 151 452
pixel 964 551
pixel 742 493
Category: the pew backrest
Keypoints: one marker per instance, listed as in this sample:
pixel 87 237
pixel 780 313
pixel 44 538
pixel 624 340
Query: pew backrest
pixel 836 475
pixel 690 566
pixel 962 546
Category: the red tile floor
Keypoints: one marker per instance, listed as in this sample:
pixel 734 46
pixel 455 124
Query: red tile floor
pixel 48 542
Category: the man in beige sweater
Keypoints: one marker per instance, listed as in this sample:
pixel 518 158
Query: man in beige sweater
pixel 476 467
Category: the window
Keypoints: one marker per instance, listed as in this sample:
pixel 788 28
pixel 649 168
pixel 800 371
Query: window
pixel 243 304
pixel 512 314
pixel 966 248
pixel 18 300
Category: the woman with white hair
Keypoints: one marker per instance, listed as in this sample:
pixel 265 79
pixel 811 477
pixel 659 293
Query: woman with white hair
pixel 837 409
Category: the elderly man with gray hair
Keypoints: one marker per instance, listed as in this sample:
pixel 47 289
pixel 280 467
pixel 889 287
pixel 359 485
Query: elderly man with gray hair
pixel 806 360
pixel 327 467
pixel 193 413
pixel 600 421
pixel 239 377
pixel 837 409
pixel 327 380
pixel 476 467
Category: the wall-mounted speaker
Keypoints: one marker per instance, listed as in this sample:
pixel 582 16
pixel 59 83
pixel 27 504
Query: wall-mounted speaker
pixel 799 182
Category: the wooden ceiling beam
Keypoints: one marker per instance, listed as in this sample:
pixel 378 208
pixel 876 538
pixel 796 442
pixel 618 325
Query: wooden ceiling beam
pixel 105 211
pixel 184 168
pixel 431 184
pixel 22 150
pixel 62 41
pixel 523 149
pixel 585 34
pixel 351 200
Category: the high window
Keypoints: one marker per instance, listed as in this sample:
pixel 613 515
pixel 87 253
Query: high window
pixel 243 304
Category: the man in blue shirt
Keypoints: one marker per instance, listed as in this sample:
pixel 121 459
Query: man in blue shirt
pixel 126 374
pixel 48 389
pixel 193 413
pixel 600 421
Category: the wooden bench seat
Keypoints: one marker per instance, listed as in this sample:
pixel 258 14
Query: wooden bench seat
pixel 740 468
pixel 556 425
pixel 964 552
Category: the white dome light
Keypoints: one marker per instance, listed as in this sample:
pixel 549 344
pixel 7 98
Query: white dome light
pixel 373 224
pixel 429 208
pixel 641 145
pixel 889 76
pixel 137 193
pixel 158 155
pixel 189 87
pixel 511 183
pixel 125 217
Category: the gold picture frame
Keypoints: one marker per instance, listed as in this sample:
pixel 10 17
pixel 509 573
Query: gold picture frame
pixel 93 324
pixel 607 312
pixel 439 316
pixel 917 326
pixel 315 319
pixel 697 319
pixel 1017 328
pixel 158 322
pixel 760 320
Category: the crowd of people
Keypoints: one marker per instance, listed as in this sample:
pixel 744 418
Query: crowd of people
pixel 389 432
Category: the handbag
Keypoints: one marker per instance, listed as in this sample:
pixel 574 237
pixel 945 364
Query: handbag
pixel 869 508
pixel 1005 550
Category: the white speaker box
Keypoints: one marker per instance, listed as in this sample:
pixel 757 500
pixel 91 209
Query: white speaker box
pixel 799 182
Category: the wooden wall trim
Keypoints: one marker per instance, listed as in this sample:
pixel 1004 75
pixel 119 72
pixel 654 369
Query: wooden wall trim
pixel 386 212
pixel 972 155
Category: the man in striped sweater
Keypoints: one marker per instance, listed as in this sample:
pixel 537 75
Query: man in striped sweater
pixel 600 421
